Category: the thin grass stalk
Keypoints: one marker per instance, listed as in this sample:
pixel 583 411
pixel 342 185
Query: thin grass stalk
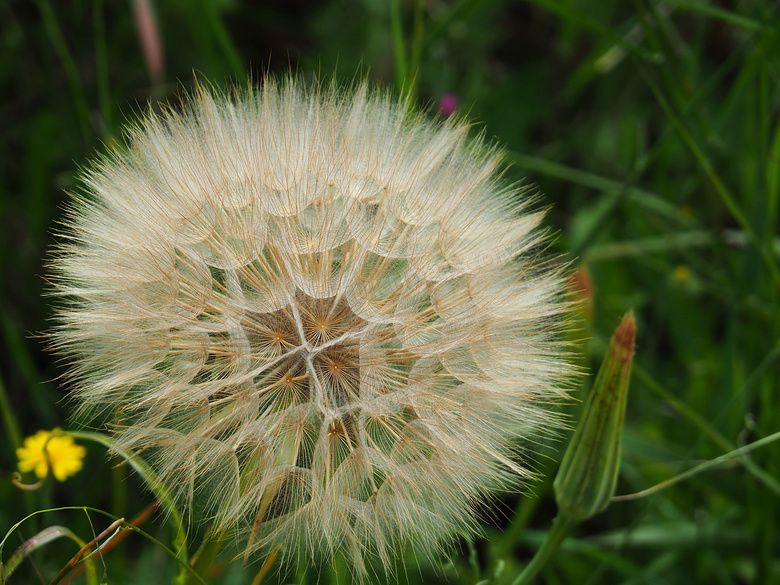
pixel 78 96
pixel 399 46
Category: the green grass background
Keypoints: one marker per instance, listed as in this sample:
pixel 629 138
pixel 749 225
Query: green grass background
pixel 651 127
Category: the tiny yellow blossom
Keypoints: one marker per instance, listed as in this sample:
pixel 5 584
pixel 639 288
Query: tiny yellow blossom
pixel 687 214
pixel 65 456
pixel 682 273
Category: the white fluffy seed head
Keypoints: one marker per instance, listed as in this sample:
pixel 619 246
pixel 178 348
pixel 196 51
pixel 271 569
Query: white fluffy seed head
pixel 322 316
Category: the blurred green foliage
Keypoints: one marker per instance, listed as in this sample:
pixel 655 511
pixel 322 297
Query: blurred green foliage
pixel 651 127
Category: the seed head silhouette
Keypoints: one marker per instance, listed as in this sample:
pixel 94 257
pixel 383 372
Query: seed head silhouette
pixel 324 318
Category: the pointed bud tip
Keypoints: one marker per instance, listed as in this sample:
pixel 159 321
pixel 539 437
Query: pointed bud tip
pixel 580 284
pixel 579 287
pixel 625 334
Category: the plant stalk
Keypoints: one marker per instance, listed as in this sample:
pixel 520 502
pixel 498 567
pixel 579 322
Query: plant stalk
pixel 562 526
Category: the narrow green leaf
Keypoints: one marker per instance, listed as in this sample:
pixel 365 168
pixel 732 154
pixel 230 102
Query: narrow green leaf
pixel 641 197
pixel 40 540
pixel 177 556
pixel 711 9
pixel 57 39
pixel 717 462
pixel 399 46
pixel 150 477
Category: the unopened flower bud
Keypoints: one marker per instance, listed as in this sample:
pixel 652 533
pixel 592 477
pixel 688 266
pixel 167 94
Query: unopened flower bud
pixel 586 479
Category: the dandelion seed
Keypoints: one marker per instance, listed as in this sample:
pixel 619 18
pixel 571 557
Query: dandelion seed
pixel 325 319
pixel 65 456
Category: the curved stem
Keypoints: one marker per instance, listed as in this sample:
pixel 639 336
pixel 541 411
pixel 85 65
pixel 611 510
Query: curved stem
pixel 204 558
pixel 562 526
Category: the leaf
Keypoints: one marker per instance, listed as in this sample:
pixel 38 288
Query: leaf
pixel 40 540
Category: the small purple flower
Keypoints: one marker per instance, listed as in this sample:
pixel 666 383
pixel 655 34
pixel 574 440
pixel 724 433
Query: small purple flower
pixel 447 104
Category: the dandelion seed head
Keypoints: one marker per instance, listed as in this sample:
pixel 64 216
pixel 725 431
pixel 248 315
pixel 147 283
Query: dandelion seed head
pixel 324 318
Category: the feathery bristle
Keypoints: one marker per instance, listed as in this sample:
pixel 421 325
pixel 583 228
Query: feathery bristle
pixel 323 317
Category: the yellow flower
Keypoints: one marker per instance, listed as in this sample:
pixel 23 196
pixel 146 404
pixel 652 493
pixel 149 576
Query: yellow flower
pixel 682 273
pixel 65 456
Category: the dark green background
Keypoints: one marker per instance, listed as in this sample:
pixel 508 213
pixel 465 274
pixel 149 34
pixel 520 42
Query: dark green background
pixel 651 128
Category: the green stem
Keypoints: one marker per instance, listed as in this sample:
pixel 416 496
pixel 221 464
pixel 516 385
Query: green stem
pixel 57 39
pixel 158 489
pixel 101 66
pixel 735 454
pixel 399 50
pixel 416 49
pixel 13 435
pixel 703 425
pixel 562 526
pixel 205 557
pixel 11 424
pixel 523 512
pixel 222 36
